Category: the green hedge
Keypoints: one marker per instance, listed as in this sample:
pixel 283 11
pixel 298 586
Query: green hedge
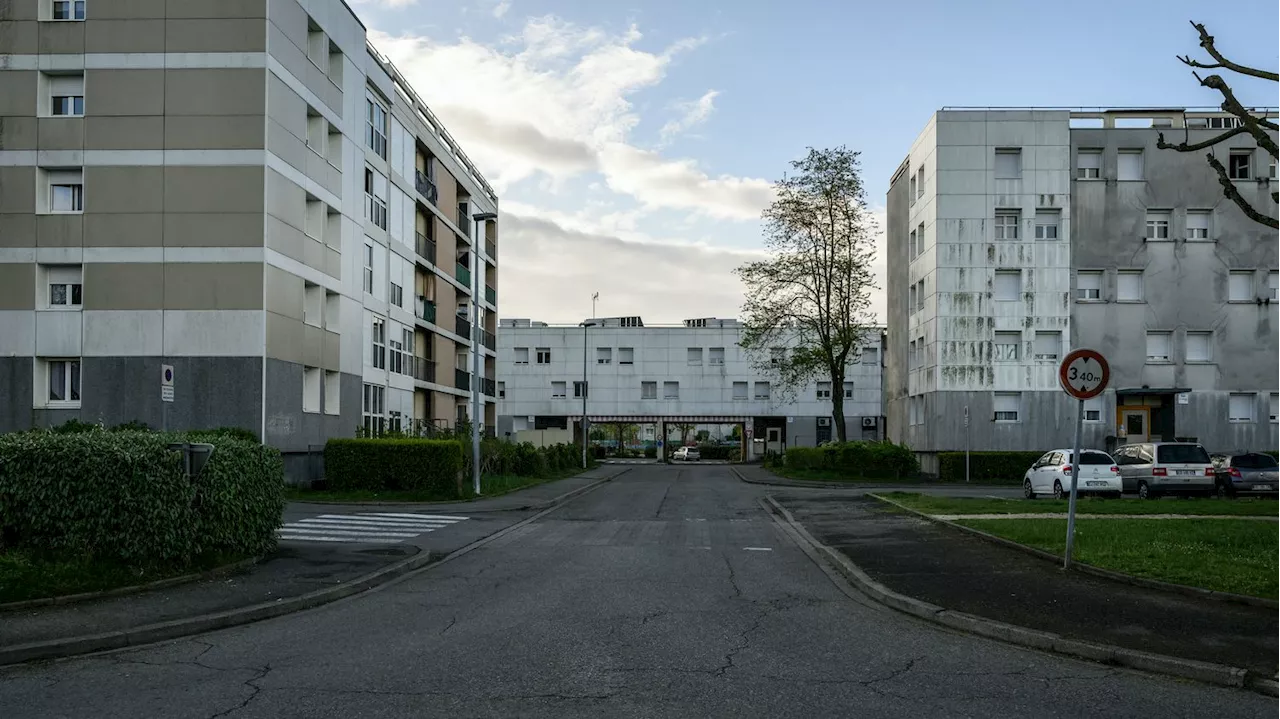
pixel 864 459
pixel 122 496
pixel 986 467
pixel 427 465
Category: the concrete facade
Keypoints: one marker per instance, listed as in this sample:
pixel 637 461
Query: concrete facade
pixel 695 373
pixel 1015 235
pixel 246 191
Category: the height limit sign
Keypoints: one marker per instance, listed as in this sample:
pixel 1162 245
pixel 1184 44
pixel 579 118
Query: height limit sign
pixel 1084 374
pixel 166 383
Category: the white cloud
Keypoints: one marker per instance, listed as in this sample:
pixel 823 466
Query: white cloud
pixel 501 9
pixel 680 184
pixel 694 113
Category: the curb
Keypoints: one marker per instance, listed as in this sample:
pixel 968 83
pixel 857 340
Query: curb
pixel 1207 672
pixel 1130 579
pixel 863 484
pixel 133 589
pixel 177 628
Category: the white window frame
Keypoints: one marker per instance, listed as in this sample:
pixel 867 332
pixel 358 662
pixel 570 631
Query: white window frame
pixel 1006 224
pixel 823 390
pixel 1048 225
pixel 604 355
pixel 1158 357
pixel 69 279
pixel 579 388
pixel 1232 168
pixel 73 182
pixel 521 355
pixel 757 394
pixel 1041 349
pixel 69 88
pixel 543 355
pixel 911 245
pixel 1006 340
pixel 1016 173
pixel 715 356
pixel 1273 285
pixel 1158 223
pixel 559 389
pixel 1140 295
pixel 368 268
pixel 1195 338
pixel 1235 278
pixel 912 299
pixel 626 355
pixel 1090 291
pixel 1091 170
pixel 1140 165
pixel 375 206
pixel 911 189
pixel 1093 408
pixel 1242 407
pixel 375 137
pixel 378 342
pixel 920 182
pixel 373 410
pixel 649 390
pixel 671 389
pixel 1017 274
pixel 1005 399
pixel 72 381
pixel 848 390
pixel 75 10
pixel 1201 227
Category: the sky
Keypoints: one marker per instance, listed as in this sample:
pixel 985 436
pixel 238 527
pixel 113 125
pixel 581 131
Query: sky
pixel 634 144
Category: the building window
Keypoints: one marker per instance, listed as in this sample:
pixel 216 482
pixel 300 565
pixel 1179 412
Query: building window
pixel 378 342
pixel 63 382
pixel 762 390
pixel 64 286
pixel 375 197
pixel 1240 164
pixel 626 355
pixel 913 246
pixel 1007 224
pixel 66 190
pixel 397 355
pixel 1048 345
pixel 559 390
pixel 1158 347
pixel 332 392
pixel 604 355
pixel 1240 286
pixel 1241 405
pixel 1008 164
pixel 777 356
pixel 648 390
pixel 1007 285
pixel 1198 224
pixel 66 95
pixel 1274 406
pixel 1088 286
pixel 740 390
pixel 522 355
pixel 824 390
pixel 311 382
pixel 374 410
pixel 915 410
pixel 1199 346
pixel 848 390
pixel 502 390
pixel 68 9
pixel 375 127
pixel 912 360
pixel 1005 348
pixel 368 268
pixel 1005 406
pixel 911 299
pixel 1273 285
pixel 544 355
pixel 1089 164
pixel 313 299
pixel 671 390
pixel 1157 225
pixel 1271 168
pixel 919 182
pixel 1129 286
pixel 1129 165
pixel 397 295
pixel 580 389
pixel 911 190
pixel 715 356
pixel 1047 224
pixel 694 356
pixel 1093 409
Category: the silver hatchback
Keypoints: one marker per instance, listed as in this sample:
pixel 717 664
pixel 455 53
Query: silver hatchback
pixel 1155 468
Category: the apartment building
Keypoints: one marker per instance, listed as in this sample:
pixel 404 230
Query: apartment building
pixel 248 193
pixel 1017 235
pixel 692 373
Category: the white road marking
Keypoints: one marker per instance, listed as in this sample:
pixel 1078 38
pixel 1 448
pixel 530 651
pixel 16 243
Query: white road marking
pixel 365 528
pixel 758 549
pixel 415 516
pixel 355 540
pixel 351 532
pixel 362 523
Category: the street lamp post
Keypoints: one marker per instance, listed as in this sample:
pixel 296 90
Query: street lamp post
pixel 477 329
pixel 594 297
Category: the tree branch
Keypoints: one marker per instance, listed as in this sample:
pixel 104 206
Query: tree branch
pixel 1206 42
pixel 1233 194
pixel 1184 147
pixel 1233 106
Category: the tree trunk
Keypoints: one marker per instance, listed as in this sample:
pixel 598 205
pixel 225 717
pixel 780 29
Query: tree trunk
pixel 837 406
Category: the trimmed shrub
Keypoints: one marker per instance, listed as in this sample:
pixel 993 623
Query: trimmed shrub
pixel 239 496
pixel 651 452
pixel 239 433
pixel 987 467
pixel 863 459
pixel 428 465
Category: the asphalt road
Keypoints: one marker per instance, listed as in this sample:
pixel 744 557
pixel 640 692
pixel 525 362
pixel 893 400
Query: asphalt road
pixel 665 593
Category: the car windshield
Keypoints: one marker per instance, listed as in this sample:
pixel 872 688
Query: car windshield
pixel 1254 461
pixel 1095 458
pixel 1181 454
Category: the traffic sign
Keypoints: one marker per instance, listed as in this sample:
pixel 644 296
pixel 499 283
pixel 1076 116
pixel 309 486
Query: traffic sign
pixel 1084 373
pixel 166 383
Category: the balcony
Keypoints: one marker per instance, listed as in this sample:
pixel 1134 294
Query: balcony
pixel 462 326
pixel 426 187
pixel 491 295
pixel 426 309
pixel 491 249
pixel 422 369
pixel 463 274
pixel 489 340
pixel 464 222
pixel 488 387
pixel 462 379
pixel 426 248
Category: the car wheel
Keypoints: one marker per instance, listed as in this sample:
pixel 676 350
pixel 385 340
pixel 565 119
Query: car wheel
pixel 1026 489
pixel 1145 491
pixel 1057 489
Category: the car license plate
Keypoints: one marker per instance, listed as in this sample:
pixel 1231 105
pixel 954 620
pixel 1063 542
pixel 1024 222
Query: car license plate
pixel 1095 484
pixel 1262 488
pixel 1184 472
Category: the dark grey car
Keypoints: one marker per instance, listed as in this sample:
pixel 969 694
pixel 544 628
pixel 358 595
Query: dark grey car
pixel 1246 473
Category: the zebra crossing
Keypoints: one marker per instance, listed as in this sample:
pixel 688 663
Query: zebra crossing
pixel 365 527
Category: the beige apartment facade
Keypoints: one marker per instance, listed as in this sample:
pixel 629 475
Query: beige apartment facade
pixel 245 191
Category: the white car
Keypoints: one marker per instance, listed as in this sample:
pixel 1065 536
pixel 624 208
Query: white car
pixel 1051 474
pixel 687 454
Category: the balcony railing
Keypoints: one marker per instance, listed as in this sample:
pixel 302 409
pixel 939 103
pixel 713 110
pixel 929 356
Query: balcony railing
pixel 462 326
pixel 464 222
pixel 422 369
pixel 489 340
pixel 491 295
pixel 427 248
pixel 462 379
pixel 426 309
pixel 426 187
pixel 463 274
pixel 488 387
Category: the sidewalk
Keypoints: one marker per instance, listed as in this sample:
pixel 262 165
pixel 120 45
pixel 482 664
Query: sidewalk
pixel 958 572
pixel 299 575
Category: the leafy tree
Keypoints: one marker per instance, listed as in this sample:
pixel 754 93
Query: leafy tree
pixel 808 304
pixel 1251 124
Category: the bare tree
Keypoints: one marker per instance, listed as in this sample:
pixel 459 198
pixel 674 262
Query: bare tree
pixel 1249 123
pixel 811 297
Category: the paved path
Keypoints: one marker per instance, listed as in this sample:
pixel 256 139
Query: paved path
pixel 666 593
pixel 1063 515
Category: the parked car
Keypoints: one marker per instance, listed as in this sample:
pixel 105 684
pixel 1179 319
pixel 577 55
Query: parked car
pixel 1155 468
pixel 1051 474
pixel 687 454
pixel 1245 473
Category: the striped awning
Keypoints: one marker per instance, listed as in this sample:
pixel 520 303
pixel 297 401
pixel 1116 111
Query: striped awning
pixel 693 419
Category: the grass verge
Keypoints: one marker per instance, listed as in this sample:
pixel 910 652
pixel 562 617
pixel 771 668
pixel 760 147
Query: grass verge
pixel 35 575
pixel 1237 556
pixel 1085 505
pixel 829 475
pixel 491 485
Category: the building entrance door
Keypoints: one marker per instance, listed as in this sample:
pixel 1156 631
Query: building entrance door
pixel 1135 423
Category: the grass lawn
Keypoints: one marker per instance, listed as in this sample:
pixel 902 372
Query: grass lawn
pixel 1227 555
pixel 1086 505
pixel 827 475
pixel 491 485
pixel 32 575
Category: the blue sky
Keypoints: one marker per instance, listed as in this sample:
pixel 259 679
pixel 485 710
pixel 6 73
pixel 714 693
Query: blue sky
pixel 632 143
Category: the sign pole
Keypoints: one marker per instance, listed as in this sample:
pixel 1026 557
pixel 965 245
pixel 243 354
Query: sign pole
pixel 1084 374
pixel 966 443
pixel 1075 478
